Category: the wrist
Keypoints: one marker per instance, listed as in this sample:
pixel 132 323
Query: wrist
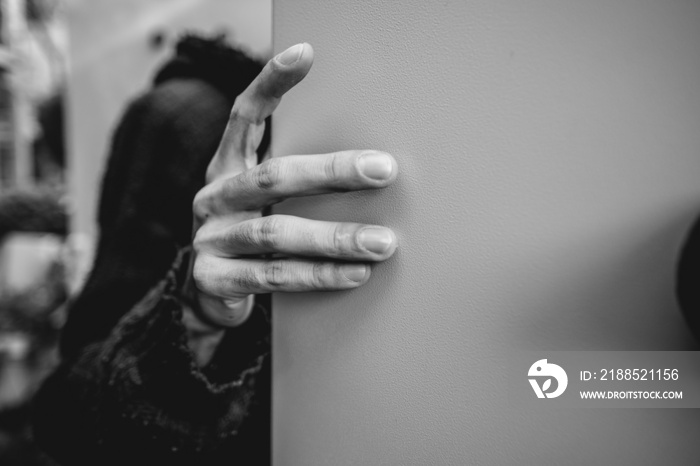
pixel 203 334
pixel 206 318
pixel 202 338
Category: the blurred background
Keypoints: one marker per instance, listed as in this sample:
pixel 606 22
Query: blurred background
pixel 67 70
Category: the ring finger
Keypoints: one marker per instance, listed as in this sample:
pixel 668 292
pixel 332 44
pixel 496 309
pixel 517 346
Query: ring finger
pixel 296 236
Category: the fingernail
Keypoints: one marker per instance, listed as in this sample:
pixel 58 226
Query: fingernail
pixel 377 240
pixel 354 272
pixel 291 55
pixel 376 165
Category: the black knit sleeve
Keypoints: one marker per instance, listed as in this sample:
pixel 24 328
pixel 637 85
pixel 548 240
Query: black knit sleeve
pixel 157 163
pixel 139 397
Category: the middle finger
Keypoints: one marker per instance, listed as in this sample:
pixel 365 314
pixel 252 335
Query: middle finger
pixel 298 175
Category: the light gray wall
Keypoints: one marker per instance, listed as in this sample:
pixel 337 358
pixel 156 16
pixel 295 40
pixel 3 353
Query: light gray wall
pixel 550 165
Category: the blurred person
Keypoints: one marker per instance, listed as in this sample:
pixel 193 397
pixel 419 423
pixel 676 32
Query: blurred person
pixel 32 292
pixel 182 375
pixel 687 273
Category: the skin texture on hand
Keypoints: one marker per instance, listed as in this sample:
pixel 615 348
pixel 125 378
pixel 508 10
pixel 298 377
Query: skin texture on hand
pixel 239 253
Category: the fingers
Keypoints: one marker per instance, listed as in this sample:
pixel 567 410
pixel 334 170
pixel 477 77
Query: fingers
pixel 228 226
pixel 246 125
pixel 294 236
pixel 236 279
pixel 280 74
pixel 300 175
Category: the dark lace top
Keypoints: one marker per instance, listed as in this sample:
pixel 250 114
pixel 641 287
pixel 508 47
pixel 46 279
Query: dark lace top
pixel 139 397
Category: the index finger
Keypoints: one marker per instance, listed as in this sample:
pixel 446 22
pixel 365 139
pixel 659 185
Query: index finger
pixel 244 131
pixel 278 76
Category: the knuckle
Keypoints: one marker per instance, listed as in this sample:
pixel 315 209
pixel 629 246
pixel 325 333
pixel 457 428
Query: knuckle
pixel 339 174
pixel 320 278
pixel 243 110
pixel 332 167
pixel 230 189
pixel 214 198
pixel 241 234
pixel 201 273
pixel 339 240
pixel 266 175
pixel 345 243
pixel 246 279
pixel 273 275
pixel 237 110
pixel 268 232
pixel 201 205
pixel 200 240
pixel 235 113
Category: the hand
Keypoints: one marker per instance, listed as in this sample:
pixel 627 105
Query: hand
pixel 237 252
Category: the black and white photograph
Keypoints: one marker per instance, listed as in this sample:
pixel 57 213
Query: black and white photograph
pixel 339 232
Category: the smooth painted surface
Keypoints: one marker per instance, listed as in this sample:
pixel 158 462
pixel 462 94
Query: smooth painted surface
pixel 550 165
